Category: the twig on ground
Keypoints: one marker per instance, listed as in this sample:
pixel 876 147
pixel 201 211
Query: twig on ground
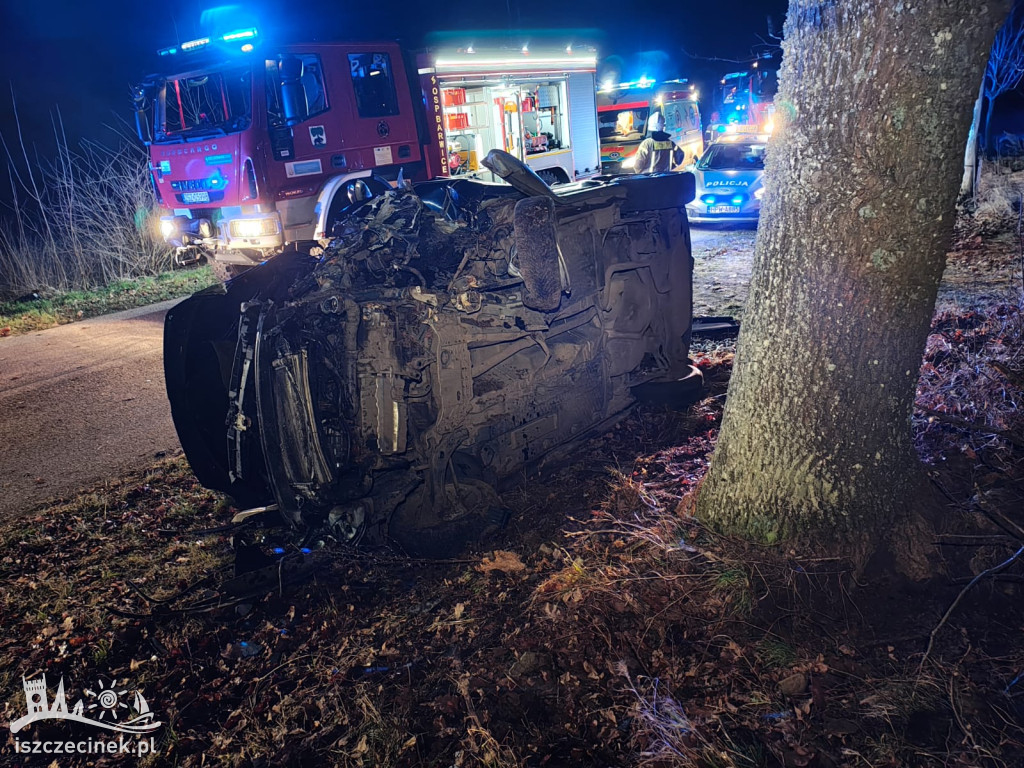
pixel 1012 376
pixel 994 569
pixel 971 425
pixel 1001 520
pixel 1020 239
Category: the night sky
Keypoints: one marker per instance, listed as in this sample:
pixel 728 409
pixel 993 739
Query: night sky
pixel 82 55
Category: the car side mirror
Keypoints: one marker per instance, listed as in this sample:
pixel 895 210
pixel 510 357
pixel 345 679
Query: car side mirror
pixel 143 113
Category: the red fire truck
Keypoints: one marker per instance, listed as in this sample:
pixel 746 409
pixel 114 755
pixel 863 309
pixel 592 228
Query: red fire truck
pixel 743 101
pixel 257 149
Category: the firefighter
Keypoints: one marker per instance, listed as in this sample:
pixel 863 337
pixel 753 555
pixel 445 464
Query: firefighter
pixel 657 153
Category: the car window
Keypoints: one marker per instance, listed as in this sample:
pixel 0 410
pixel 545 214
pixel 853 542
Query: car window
pixel 312 81
pixel 622 124
pixel 374 84
pixel 211 100
pixel 723 156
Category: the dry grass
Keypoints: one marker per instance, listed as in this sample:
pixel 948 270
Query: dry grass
pixel 998 199
pixel 82 220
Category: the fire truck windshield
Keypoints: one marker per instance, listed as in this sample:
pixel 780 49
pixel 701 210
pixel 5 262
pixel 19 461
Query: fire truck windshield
pixel 204 104
pixel 741 92
pixel 625 124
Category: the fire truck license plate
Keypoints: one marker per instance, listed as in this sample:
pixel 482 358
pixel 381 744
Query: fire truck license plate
pixel 195 197
pixel 723 209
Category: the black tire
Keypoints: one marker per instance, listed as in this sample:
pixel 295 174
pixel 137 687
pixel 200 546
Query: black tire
pixel 657 193
pixel 537 252
pixel 550 177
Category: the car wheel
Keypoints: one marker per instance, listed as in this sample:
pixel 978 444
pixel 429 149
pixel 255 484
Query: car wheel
pixel 549 177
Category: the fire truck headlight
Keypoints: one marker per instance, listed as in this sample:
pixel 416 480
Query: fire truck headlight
pixel 248 228
pixel 167 228
pixel 629 163
pixel 759 193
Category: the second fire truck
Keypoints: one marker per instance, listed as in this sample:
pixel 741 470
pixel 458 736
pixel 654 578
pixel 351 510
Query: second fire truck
pixel 743 102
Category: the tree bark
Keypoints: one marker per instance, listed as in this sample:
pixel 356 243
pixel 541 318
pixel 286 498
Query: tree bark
pixel 875 103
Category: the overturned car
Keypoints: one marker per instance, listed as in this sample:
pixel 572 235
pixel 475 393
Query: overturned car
pixel 454 335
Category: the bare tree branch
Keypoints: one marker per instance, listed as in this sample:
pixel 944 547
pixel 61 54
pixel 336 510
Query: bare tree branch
pixel 1006 62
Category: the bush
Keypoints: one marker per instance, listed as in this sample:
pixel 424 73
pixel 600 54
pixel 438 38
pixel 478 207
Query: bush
pixel 81 221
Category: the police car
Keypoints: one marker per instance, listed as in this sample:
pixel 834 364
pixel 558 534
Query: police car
pixel 729 176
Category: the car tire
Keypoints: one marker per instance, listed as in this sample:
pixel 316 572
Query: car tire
pixel 550 177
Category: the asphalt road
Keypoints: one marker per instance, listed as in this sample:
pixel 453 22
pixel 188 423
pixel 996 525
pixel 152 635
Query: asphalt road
pixel 81 403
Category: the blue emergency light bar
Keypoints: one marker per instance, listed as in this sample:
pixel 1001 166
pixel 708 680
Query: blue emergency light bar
pixel 242 34
pixel 194 45
pixel 643 82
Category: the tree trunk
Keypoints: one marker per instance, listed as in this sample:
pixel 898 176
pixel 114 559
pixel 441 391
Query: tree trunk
pixel 816 447
pixel 972 166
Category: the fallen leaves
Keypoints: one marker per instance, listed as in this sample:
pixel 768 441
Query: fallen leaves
pixel 503 561
pixel 351 666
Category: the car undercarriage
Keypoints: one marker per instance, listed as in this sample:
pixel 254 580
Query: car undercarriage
pixel 454 336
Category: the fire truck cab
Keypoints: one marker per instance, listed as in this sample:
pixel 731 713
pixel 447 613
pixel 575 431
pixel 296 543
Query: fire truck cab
pixel 251 149
pixel 744 101
pixel 623 111
pixel 256 148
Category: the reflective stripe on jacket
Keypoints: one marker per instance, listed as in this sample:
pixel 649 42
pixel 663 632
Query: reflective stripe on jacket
pixel 657 154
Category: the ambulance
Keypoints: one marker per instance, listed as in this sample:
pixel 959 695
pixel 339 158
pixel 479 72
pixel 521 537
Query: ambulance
pixel 623 113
